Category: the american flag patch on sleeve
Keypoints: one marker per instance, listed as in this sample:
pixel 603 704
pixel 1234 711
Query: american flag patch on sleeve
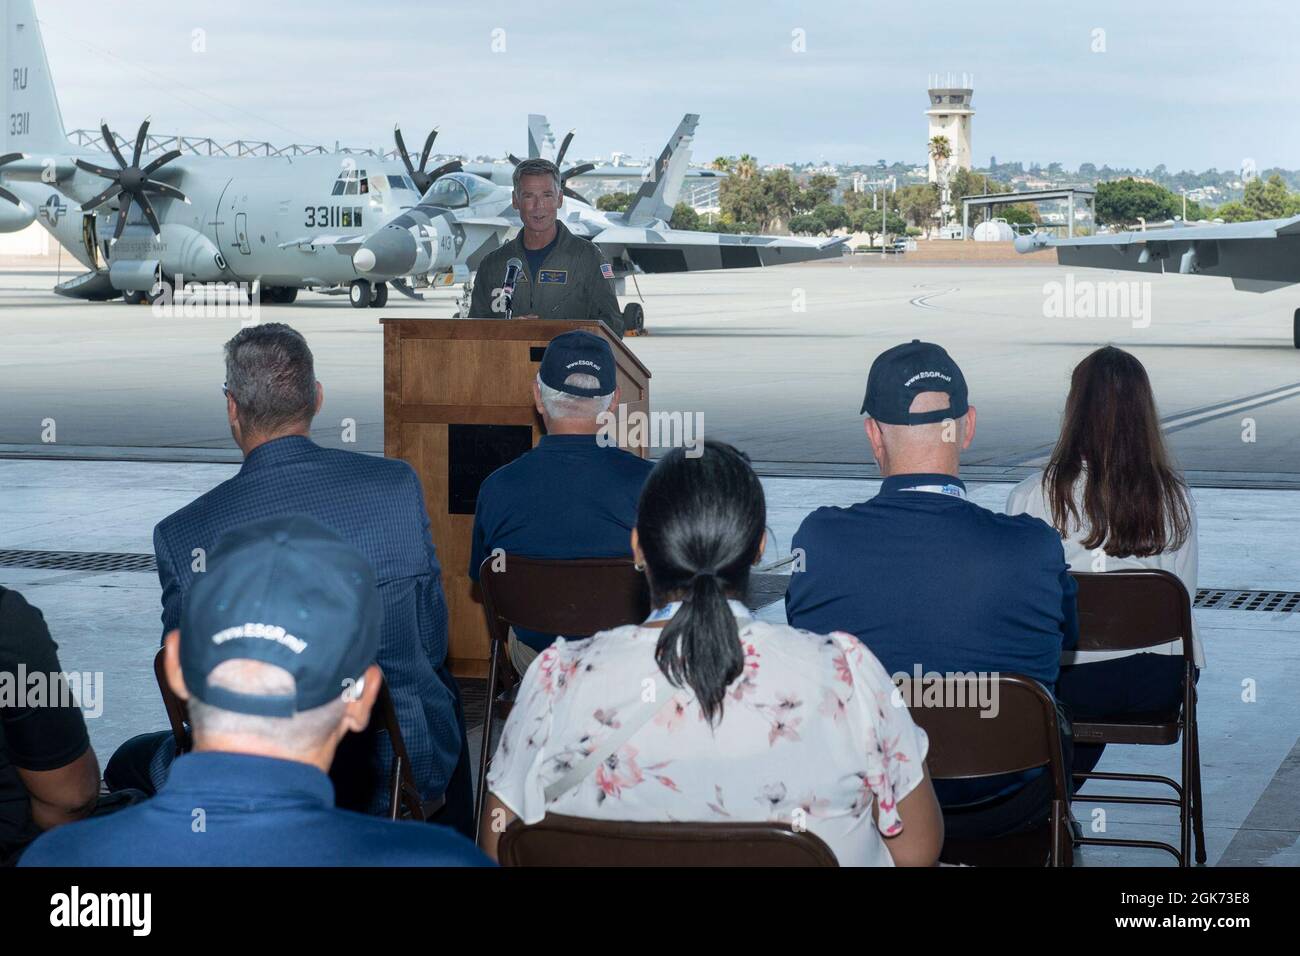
pixel 607 270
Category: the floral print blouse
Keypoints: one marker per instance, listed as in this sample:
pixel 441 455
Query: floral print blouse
pixel 812 733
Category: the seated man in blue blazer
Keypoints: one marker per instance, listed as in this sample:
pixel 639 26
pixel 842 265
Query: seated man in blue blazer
pixel 375 504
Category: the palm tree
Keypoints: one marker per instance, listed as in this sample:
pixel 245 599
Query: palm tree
pixel 722 164
pixel 746 166
pixel 940 153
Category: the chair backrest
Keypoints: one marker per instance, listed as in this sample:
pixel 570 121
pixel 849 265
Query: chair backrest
pixel 177 714
pixel 1132 609
pixel 571 841
pixel 575 597
pixel 1018 729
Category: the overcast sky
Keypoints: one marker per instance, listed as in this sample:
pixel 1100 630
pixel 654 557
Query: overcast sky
pixel 1191 84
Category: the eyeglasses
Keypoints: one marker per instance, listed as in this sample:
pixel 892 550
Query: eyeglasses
pixel 224 390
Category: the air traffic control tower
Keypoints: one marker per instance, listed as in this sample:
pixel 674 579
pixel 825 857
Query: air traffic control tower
pixel 950 115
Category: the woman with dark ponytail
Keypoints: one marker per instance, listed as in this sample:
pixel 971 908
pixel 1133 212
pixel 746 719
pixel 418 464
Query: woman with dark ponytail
pixel 703 713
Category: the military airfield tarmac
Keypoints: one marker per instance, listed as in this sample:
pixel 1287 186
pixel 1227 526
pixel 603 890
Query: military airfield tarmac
pixel 775 360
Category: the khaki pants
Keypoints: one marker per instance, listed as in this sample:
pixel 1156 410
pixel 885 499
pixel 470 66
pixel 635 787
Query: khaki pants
pixel 520 654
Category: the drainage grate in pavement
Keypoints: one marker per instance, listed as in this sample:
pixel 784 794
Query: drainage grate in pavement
pixel 764 588
pixel 1223 599
pixel 77 561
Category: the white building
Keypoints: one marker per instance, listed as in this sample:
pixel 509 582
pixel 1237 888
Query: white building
pixel 950 115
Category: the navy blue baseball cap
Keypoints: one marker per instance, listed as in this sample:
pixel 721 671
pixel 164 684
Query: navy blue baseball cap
pixel 285 591
pixel 900 374
pixel 579 352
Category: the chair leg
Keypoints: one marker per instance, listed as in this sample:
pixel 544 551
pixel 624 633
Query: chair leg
pixel 485 752
pixel 1198 814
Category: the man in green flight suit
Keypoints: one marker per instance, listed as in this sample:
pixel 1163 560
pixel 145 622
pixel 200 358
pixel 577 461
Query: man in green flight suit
pixel 563 276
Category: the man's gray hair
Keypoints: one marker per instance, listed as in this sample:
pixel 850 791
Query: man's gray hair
pixel 302 733
pixel 560 404
pixel 271 376
pixel 537 167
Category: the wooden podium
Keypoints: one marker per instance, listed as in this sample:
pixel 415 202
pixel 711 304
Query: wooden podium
pixel 458 404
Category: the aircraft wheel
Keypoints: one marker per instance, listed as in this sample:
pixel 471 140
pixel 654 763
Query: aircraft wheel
pixel 379 295
pixel 359 294
pixel 134 297
pixel 633 319
pixel 287 295
pixel 1295 329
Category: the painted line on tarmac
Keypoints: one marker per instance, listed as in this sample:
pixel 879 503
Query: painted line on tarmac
pixel 923 301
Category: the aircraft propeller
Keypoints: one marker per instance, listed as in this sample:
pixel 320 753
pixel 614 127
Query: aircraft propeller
pixel 423 179
pixel 567 174
pixel 131 180
pixel 4 193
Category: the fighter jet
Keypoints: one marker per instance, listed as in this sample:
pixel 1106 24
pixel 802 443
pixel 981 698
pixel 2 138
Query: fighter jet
pixel 278 223
pixel 1257 256
pixel 463 217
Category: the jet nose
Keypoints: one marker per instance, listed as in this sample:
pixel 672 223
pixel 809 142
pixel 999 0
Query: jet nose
pixel 389 252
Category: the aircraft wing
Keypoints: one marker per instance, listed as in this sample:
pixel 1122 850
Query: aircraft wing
pixel 1257 256
pixel 681 250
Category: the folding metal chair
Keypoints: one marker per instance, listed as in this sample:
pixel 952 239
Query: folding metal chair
pixel 1128 611
pixel 965 745
pixel 576 597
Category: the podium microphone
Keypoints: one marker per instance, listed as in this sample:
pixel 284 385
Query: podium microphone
pixel 513 268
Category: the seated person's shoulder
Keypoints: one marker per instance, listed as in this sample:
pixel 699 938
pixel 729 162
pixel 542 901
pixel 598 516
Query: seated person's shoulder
pixel 23 632
pixel 419 844
pixel 827 520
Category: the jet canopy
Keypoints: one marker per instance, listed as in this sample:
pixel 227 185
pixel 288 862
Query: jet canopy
pixel 457 190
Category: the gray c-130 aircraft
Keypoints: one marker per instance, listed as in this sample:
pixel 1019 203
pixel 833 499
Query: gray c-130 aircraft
pixel 132 222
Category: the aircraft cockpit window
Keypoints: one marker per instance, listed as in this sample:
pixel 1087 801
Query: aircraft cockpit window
pixel 448 192
pixel 338 188
pixel 365 183
pixel 398 182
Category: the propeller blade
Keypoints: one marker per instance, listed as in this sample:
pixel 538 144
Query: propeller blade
pixel 121 217
pixel 154 186
pixel 564 148
pixel 401 151
pixel 428 147
pixel 574 195
pixel 97 170
pixel 513 158
pixel 9 197
pixel 139 142
pixel 453 167
pixel 10 157
pixel 147 208
pixel 111 143
pixel 577 171
pixel 161 161
pixel 102 198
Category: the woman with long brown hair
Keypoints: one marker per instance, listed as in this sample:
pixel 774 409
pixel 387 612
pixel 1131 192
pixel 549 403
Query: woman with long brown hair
pixel 1111 491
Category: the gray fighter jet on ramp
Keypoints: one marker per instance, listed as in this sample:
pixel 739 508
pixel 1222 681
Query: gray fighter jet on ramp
pixel 463 217
pixel 1257 256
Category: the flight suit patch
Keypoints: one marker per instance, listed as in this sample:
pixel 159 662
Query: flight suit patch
pixel 560 276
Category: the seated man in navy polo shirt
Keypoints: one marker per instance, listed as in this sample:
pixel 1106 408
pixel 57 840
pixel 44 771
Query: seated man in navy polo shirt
pixel 925 578
pixel 574 495
pixel 276 659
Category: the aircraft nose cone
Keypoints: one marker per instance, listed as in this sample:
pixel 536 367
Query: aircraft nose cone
pixel 389 252
pixel 364 259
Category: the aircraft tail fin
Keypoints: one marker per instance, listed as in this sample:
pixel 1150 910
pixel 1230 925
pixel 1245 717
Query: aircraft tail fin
pixel 659 193
pixel 28 105
pixel 541 141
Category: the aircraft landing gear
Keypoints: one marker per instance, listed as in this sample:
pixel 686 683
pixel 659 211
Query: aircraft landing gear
pixel 134 297
pixel 1295 329
pixel 359 294
pixel 633 319
pixel 379 295
pixel 278 295
pixel 463 303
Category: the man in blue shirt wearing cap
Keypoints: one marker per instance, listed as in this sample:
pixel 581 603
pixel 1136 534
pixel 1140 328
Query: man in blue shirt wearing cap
pixel 276 660
pixel 574 495
pixel 926 579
